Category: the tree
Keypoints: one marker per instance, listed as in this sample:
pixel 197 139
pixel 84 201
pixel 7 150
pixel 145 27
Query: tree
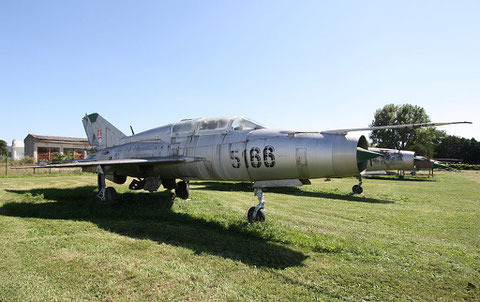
pixel 3 147
pixel 451 146
pixel 420 140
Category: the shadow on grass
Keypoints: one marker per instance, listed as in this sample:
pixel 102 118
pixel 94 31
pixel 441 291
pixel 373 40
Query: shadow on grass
pixel 246 187
pixel 149 216
pixel 396 178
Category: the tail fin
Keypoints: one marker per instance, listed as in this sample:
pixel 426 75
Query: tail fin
pixel 100 132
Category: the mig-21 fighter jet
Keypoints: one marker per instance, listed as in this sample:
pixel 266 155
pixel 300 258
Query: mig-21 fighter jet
pixel 399 160
pixel 223 149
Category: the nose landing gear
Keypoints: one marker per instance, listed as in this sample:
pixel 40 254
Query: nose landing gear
pixel 357 189
pixel 257 213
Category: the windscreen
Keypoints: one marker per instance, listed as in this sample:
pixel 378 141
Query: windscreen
pixel 243 124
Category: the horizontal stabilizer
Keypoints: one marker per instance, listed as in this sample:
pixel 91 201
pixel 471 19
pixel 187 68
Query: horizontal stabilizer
pixel 440 166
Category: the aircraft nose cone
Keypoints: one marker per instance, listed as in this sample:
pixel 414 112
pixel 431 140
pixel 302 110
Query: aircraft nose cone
pixel 364 154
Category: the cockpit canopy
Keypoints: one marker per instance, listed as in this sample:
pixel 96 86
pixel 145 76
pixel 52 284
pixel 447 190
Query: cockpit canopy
pixel 212 124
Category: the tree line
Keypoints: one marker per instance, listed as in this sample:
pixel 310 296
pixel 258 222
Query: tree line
pixel 424 141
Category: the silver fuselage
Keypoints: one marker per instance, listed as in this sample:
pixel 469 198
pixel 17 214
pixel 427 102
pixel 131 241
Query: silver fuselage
pixel 391 160
pixel 236 155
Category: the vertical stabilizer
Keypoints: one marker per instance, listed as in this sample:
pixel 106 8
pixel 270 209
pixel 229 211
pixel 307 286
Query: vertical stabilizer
pixel 100 132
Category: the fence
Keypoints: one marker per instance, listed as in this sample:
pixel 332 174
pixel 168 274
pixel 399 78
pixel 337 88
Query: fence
pixel 41 171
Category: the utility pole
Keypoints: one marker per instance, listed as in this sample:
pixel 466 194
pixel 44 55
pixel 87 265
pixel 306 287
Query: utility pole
pixel 6 164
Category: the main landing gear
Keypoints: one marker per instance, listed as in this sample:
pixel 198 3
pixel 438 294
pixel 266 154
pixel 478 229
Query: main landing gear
pixel 137 184
pixel 357 189
pixel 182 190
pixel 257 213
pixel 106 195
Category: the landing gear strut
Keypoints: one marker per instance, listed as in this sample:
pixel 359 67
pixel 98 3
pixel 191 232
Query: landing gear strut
pixel 106 195
pixel 257 213
pixel 182 190
pixel 357 189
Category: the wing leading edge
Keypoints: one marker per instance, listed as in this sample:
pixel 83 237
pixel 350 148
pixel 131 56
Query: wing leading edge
pixel 116 162
pixel 345 131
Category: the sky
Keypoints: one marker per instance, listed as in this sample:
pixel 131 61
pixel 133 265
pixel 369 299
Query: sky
pixel 300 65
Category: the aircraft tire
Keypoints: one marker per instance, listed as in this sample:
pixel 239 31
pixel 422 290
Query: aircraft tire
pixel 111 196
pixel 357 189
pixel 182 190
pixel 260 215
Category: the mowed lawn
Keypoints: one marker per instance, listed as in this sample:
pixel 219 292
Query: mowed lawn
pixel 417 239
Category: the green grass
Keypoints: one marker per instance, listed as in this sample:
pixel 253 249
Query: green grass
pixel 417 239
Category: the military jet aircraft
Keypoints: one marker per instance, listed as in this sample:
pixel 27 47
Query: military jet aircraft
pixel 398 160
pixel 391 159
pixel 228 149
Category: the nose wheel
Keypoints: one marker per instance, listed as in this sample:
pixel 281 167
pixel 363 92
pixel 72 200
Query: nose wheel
pixel 357 189
pixel 257 213
pixel 259 217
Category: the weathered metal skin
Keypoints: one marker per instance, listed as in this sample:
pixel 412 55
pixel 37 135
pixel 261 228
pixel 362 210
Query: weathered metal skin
pixel 391 160
pixel 236 155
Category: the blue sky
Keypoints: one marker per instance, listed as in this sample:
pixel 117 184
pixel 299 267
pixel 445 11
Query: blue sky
pixel 310 65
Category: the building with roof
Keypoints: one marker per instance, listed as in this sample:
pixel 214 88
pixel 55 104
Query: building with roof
pixel 43 148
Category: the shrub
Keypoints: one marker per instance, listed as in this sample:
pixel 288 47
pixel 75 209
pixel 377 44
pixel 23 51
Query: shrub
pixel 464 166
pixel 59 156
pixel 27 160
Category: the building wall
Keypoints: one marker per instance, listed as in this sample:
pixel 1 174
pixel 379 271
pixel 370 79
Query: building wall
pixel 18 150
pixel 18 153
pixel 29 142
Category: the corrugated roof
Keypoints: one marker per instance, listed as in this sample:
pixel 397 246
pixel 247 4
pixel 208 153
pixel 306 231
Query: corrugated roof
pixel 59 138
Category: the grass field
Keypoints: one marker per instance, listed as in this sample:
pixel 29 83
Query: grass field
pixel 417 239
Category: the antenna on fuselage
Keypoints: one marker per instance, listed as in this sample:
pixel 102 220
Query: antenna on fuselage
pixel 131 128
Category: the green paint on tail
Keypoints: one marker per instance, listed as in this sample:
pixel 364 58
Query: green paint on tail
pixel 364 154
